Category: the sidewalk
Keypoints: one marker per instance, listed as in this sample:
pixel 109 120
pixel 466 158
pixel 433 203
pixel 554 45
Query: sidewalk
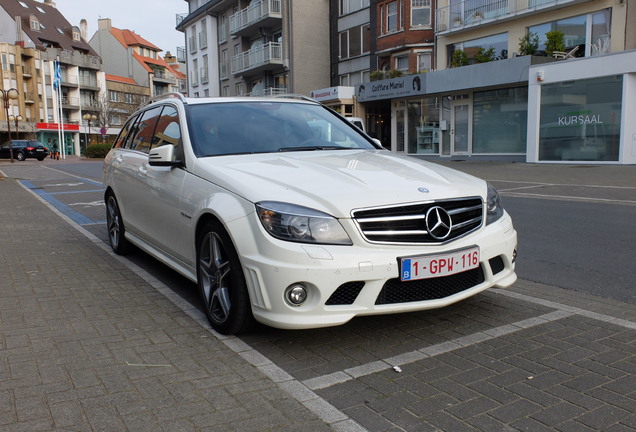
pixel 88 345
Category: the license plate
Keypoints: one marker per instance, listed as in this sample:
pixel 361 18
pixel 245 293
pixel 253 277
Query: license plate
pixel 430 266
pixel 39 150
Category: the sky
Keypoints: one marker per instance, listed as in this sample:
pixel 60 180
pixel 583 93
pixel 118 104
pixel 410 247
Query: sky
pixel 154 20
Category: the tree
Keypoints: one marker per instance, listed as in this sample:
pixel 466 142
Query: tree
pixel 528 44
pixel 555 42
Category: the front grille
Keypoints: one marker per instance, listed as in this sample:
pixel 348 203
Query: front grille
pixel 346 293
pixel 407 223
pixel 396 291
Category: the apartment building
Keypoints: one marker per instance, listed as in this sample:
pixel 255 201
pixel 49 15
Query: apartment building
pixel 563 94
pixel 34 35
pixel 258 47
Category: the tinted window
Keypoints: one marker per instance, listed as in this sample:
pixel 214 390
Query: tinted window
pixel 246 127
pixel 167 130
pixel 145 130
pixel 121 138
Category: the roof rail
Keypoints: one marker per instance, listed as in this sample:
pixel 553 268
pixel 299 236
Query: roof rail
pixel 296 96
pixel 176 95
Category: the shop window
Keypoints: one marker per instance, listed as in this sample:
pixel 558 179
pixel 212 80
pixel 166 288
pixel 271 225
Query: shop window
pixel 500 121
pixel 580 120
pixel 424 126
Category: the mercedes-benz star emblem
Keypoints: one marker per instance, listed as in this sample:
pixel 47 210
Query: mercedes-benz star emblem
pixel 438 223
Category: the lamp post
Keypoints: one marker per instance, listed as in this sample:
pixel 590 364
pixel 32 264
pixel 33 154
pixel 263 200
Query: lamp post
pixel 7 96
pixel 89 118
pixel 16 119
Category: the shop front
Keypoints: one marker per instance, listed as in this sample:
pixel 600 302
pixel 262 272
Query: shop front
pixel 48 134
pixel 582 110
pixel 477 112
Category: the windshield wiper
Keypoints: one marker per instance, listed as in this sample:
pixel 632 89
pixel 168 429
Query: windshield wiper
pixel 310 148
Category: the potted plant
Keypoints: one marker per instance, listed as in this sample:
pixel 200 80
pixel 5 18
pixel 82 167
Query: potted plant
pixel 555 42
pixel 528 44
pixel 459 58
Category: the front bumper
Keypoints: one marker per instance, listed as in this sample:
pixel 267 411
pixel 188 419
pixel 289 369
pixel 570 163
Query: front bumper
pixel 360 275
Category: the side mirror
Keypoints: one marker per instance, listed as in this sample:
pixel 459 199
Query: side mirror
pixel 163 156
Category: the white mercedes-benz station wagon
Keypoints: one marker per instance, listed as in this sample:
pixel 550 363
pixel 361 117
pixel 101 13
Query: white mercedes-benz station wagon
pixel 284 212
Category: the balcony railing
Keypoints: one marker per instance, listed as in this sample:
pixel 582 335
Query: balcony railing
pixel 255 13
pixel 469 13
pixel 180 17
pixel 261 57
pixel 181 54
pixel 270 91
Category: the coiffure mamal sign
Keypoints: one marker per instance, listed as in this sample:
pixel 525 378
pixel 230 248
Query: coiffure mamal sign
pixel 411 85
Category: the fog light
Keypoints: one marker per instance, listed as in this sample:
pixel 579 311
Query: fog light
pixel 296 294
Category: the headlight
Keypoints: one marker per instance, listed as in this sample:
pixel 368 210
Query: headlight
pixel 494 206
pixel 300 224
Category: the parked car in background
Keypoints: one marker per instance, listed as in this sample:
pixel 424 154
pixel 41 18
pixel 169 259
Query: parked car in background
pixel 282 211
pixel 23 149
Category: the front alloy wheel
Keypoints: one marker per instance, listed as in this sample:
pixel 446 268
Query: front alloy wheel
pixel 115 226
pixel 221 282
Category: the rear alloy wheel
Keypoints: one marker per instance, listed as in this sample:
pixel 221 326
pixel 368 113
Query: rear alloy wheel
pixel 115 226
pixel 221 282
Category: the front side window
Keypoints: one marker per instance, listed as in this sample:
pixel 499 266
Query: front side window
pixel 145 130
pixel 168 130
pixel 120 142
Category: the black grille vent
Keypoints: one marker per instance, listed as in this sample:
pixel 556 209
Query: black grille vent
pixel 407 223
pixel 396 291
pixel 496 264
pixel 346 294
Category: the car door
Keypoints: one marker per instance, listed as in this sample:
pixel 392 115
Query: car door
pixel 163 224
pixel 129 182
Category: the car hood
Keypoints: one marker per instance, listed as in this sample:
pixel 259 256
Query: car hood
pixel 337 181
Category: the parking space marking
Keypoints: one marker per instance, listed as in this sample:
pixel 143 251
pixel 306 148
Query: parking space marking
pixel 341 377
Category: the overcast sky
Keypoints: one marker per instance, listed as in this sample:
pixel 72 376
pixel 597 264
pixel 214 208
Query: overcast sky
pixel 154 20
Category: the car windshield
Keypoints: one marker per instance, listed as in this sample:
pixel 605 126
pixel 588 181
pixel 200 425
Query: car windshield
pixel 262 127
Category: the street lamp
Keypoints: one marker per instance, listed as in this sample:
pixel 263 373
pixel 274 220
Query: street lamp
pixel 89 118
pixel 8 95
pixel 16 119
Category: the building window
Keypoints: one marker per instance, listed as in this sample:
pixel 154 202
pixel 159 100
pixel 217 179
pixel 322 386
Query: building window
pixel 226 91
pixel 424 62
pixel 497 45
pixel 129 98
pixel 580 120
pixel 204 69
pixel 115 120
pixel 392 17
pixel 420 13
pixel 349 6
pixel 355 41
pixel 194 73
pixel 500 119
pixel 113 96
pixel 192 40
pixel 203 35
pixel 35 24
pixel 222 29
pixel 402 63
pixel 225 64
pixel 576 30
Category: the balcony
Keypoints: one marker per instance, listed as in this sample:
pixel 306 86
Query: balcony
pixel 180 17
pixel 270 91
pixel 468 14
pixel 266 57
pixel 181 54
pixel 265 13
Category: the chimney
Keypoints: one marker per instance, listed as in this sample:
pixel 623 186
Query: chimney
pixel 84 29
pixel 104 24
pixel 50 3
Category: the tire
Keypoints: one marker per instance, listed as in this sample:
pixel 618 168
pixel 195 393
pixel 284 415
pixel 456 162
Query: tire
pixel 221 282
pixel 41 158
pixel 20 156
pixel 115 227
